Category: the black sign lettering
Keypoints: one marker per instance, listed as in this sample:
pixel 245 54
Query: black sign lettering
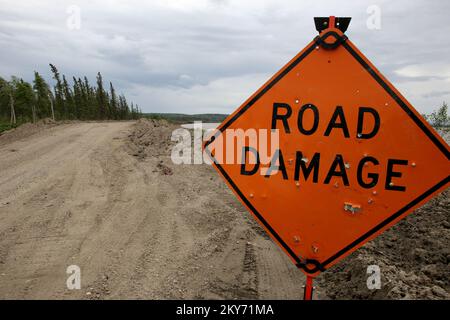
pixel 376 117
pixel 277 157
pixel 315 111
pixel 337 163
pixel 307 169
pixel 373 176
pixel 283 117
pixel 390 173
pixel 244 170
pixel 342 124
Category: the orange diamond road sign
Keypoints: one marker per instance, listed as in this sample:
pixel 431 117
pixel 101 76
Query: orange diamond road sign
pixel 353 158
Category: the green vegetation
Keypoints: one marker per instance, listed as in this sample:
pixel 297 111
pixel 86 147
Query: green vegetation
pixel 22 102
pixel 439 118
pixel 179 118
pixel 5 126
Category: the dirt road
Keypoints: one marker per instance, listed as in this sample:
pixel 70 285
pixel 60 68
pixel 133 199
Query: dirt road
pixel 107 198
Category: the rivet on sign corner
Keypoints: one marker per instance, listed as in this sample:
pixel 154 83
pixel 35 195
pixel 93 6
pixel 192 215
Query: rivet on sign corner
pixel 413 164
pixel 314 248
pixel 317 47
pixel 296 239
pixel 251 195
pixel 386 104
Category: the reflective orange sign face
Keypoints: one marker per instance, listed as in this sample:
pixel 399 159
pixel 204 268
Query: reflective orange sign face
pixel 351 159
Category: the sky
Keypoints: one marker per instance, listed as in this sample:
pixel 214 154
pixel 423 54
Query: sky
pixel 208 56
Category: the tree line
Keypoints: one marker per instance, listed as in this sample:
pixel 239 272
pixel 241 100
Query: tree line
pixel 21 101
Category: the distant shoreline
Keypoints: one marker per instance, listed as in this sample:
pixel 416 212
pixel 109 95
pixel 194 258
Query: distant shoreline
pixel 180 118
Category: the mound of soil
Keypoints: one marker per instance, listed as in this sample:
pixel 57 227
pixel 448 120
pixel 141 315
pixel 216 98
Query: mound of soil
pixel 413 257
pixel 151 138
pixel 26 130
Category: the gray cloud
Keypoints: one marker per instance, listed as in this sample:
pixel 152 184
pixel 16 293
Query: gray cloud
pixel 438 94
pixel 209 56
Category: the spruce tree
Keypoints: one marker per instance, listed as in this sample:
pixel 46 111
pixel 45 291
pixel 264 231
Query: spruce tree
pixel 68 100
pixel 59 93
pixel 101 98
pixel 24 100
pixel 77 99
pixel 7 105
pixel 43 96
pixel 113 102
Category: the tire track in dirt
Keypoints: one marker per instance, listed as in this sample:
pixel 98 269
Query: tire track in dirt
pixel 41 207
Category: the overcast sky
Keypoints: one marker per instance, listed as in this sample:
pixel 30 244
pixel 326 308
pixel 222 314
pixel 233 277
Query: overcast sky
pixel 200 56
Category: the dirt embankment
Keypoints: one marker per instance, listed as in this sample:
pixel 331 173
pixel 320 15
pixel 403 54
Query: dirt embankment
pixel 26 130
pixel 413 257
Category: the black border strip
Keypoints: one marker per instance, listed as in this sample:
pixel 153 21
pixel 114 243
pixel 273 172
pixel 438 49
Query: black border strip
pixel 397 99
pixel 317 266
pixel 386 221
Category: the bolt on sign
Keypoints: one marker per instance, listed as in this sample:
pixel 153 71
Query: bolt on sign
pixel 352 157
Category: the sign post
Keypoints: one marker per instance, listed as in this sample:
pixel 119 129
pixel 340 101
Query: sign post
pixel 309 289
pixel 328 154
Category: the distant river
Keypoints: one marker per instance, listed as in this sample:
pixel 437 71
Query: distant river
pixel 204 126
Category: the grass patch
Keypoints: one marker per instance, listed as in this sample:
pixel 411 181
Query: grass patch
pixel 5 126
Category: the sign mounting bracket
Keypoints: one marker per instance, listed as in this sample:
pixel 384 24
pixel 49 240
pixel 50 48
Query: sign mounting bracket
pixel 340 23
